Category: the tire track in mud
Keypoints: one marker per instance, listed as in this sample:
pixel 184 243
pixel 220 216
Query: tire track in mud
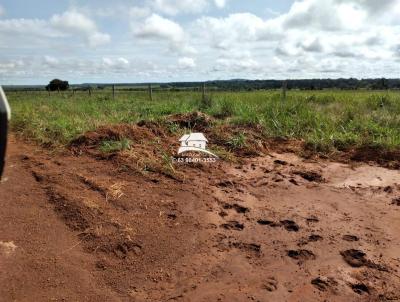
pixel 130 229
pixel 83 204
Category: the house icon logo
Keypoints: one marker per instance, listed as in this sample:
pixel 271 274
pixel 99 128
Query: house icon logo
pixel 194 142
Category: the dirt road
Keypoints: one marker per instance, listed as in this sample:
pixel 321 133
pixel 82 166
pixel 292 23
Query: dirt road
pixel 274 228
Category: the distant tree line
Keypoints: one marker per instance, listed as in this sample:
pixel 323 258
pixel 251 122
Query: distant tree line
pixel 227 85
pixel 310 84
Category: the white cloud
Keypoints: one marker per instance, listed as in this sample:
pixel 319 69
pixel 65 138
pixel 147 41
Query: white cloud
pixel 373 6
pixel 336 15
pixel 229 65
pixel 119 63
pixel 272 12
pixel 69 24
pixel 156 27
pixel 27 27
pixel 74 22
pixel 9 66
pixel 237 61
pixel 137 12
pixel 225 32
pixel 51 61
pixel 220 3
pixel 312 45
pixel 174 7
pixel 179 7
pixel 186 63
pixel 98 38
pixel 310 13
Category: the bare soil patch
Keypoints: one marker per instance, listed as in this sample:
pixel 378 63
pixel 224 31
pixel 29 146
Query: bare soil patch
pixel 94 227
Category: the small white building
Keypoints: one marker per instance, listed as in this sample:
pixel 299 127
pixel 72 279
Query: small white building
pixel 194 140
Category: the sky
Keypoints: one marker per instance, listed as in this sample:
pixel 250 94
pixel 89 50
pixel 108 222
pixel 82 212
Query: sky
pixel 126 41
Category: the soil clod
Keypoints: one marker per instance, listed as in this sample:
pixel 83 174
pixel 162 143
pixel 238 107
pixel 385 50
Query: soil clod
pixel 323 284
pixel 238 208
pixel 280 162
pixel 357 258
pixel 290 225
pixel 226 184
pixel 265 222
pixel 270 284
pixel 312 219
pixel 396 201
pixel 350 238
pixel 251 247
pixel 360 288
pixel 315 238
pixel 310 176
pixel 301 255
pixel 354 258
pixel 233 225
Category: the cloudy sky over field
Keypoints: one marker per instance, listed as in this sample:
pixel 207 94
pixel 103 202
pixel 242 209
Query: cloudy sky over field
pixel 179 40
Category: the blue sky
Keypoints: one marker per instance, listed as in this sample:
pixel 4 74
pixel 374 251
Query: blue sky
pixel 46 8
pixel 186 40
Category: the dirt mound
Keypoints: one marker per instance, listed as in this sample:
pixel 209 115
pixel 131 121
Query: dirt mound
pixel 241 141
pixel 150 145
pixel 141 148
pixel 112 133
pixel 196 121
pixel 155 127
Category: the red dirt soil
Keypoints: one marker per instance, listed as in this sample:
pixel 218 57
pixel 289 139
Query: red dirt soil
pixel 273 228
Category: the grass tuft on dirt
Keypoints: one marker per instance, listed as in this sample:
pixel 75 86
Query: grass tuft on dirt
pixel 110 146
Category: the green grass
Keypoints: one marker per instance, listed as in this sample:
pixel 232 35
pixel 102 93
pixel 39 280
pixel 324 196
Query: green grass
pixel 326 120
pixel 238 141
pixel 114 146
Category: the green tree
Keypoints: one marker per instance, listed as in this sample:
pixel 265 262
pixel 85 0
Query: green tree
pixel 57 84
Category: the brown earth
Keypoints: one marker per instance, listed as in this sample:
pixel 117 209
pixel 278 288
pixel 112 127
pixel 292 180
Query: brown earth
pixel 80 226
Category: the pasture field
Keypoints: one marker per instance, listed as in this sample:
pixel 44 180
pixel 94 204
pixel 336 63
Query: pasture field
pixel 325 120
